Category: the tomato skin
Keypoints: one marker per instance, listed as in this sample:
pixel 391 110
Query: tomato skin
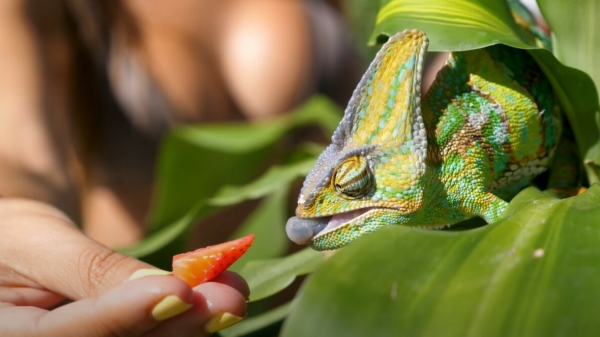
pixel 204 264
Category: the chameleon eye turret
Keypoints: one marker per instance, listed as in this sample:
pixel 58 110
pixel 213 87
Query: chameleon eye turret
pixel 352 178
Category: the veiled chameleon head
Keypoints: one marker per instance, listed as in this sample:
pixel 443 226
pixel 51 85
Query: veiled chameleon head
pixel 370 175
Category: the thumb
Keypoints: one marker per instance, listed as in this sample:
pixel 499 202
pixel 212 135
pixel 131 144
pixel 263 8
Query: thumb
pixel 46 248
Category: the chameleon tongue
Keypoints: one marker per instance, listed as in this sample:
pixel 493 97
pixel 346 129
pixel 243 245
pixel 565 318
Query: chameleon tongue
pixel 302 230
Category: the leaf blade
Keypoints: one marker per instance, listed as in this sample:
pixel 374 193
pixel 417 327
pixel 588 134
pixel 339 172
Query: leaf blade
pixel 268 277
pixel 520 276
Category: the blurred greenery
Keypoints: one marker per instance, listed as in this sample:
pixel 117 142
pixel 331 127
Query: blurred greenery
pixel 530 274
pixel 267 277
pixel 205 168
pixel 258 322
pixel 197 161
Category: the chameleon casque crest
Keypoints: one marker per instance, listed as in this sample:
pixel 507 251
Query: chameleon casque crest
pixel 485 128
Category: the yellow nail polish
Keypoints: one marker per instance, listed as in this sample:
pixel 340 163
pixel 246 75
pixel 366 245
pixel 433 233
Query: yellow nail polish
pixel 221 321
pixel 169 306
pixel 148 272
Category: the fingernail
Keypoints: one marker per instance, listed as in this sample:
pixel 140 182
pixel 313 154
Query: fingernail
pixel 148 272
pixel 221 321
pixel 169 306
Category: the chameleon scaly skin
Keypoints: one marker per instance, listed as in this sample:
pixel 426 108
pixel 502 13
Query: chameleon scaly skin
pixel 487 124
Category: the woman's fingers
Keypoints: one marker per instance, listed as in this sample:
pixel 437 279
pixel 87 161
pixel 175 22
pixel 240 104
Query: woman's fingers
pixel 46 256
pixel 235 281
pixel 29 297
pixel 157 305
pixel 39 243
pixel 131 309
pixel 216 307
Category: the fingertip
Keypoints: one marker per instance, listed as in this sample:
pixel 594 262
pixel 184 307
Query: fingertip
pixel 222 321
pixel 225 304
pixel 160 285
pixel 161 295
pixel 217 298
pixel 215 306
pixel 167 296
pixel 235 281
pixel 148 272
pixel 168 307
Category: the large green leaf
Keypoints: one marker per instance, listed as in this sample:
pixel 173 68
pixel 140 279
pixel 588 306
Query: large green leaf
pixel 457 25
pixel 535 273
pixel 452 24
pixel 578 98
pixel 575 26
pixel 195 163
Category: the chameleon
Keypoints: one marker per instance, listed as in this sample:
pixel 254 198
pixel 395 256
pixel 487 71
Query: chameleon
pixel 486 127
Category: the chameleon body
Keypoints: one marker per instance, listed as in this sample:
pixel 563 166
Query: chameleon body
pixel 485 128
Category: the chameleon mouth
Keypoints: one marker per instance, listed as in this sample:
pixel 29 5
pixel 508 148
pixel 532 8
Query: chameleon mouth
pixel 341 219
pixel 302 230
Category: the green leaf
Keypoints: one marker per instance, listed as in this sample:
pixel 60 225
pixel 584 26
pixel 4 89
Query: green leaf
pixel 267 224
pixel 258 322
pixel 575 26
pixel 452 24
pixel 577 44
pixel 270 182
pixel 578 98
pixel 196 161
pixel 192 167
pixel 534 273
pixel 318 110
pixel 268 277
pixel 360 16
pixel 158 240
pixel 457 25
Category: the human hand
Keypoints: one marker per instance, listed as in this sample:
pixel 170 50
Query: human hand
pixel 45 259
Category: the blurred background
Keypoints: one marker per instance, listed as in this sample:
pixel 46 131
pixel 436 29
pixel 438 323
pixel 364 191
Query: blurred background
pixel 92 91
pixel 89 89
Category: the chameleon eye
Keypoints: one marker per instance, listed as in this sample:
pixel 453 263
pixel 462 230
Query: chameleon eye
pixel 352 178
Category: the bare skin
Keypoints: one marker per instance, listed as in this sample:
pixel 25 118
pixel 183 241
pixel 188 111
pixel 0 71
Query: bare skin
pixel 40 242
pixel 45 258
